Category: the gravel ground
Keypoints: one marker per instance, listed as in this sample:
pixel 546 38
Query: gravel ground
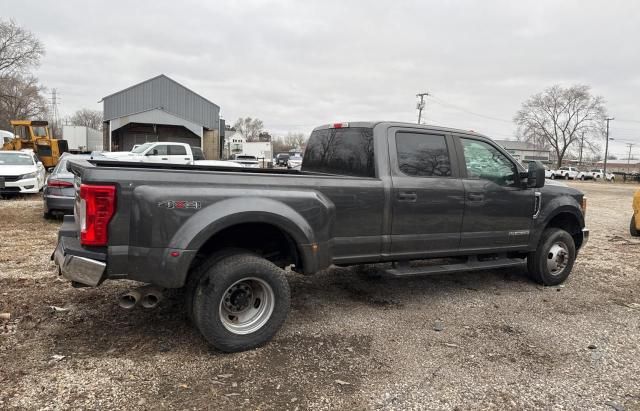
pixel 352 341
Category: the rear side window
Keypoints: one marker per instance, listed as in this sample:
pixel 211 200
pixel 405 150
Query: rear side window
pixel 197 153
pixel 423 155
pixel 177 151
pixel 343 151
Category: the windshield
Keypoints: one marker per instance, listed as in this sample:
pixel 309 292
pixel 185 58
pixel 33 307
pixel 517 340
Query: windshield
pixel 245 158
pixel 141 149
pixel 39 131
pixel 15 159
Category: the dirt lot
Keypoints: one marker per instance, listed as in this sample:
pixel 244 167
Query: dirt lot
pixel 350 342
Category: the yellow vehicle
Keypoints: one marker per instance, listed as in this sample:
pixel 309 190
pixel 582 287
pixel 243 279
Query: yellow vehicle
pixel 35 135
pixel 634 227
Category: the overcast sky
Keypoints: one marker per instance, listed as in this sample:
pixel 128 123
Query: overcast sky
pixel 298 64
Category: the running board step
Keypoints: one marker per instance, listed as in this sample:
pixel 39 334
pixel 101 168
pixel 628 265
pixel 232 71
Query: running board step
pixel 401 269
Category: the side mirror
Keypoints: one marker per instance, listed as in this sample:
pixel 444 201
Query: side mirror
pixel 39 163
pixel 535 175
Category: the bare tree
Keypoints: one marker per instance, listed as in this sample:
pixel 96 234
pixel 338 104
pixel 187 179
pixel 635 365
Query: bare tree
pixel 19 49
pixel 250 128
pixel 21 98
pixel 559 116
pixel 295 140
pixel 88 118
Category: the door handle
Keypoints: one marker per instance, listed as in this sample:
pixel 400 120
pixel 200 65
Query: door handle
pixel 407 196
pixel 475 197
pixel 187 158
pixel 164 158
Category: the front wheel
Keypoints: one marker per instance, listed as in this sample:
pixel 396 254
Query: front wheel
pixel 241 302
pixel 553 176
pixel 553 260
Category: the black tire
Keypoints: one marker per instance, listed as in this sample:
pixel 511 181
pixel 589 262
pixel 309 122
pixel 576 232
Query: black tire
pixel 218 284
pixel 196 275
pixel 48 216
pixel 566 176
pixel 553 176
pixel 537 261
pixel 582 178
pixel 632 227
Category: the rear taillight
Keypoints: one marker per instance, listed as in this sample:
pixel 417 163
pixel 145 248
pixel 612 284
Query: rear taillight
pixel 59 184
pixel 97 206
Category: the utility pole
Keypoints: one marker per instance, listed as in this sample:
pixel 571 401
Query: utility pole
pixel 629 157
pixel 606 146
pixel 581 145
pixel 420 105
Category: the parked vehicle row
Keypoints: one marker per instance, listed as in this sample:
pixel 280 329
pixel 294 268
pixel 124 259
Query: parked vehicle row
pixel 573 173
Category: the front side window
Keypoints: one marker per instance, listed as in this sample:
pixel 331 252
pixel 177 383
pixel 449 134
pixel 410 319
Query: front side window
pixel 342 151
pixel 483 161
pixel 160 150
pixel 423 155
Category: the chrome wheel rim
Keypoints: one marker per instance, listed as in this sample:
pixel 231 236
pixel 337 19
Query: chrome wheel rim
pixel 246 306
pixel 557 258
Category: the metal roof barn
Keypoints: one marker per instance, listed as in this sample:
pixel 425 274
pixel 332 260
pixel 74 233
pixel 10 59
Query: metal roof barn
pixel 161 109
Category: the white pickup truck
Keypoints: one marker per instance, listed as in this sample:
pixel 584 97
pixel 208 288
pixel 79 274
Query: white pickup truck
pixel 568 173
pixel 599 173
pixel 165 152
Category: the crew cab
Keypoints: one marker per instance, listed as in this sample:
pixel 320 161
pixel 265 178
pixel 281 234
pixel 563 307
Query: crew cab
pixel 367 192
pixel 568 173
pixel 599 173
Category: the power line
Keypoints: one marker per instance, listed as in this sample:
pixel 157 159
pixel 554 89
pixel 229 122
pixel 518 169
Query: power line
pixel 444 103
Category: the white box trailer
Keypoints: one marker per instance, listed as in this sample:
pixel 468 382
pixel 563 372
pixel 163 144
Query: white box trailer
pixel 82 138
pixel 260 149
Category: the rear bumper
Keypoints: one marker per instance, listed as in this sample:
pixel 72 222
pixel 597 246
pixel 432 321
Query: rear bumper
pixel 76 263
pixel 61 203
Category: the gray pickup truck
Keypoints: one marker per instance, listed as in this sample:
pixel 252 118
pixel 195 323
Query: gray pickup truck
pixel 367 192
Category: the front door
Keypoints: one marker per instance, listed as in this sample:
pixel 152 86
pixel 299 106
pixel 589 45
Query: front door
pixel 158 154
pixel 427 194
pixel 498 211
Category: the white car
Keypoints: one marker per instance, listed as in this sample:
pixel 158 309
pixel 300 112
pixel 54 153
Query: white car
pixel 598 173
pixel 568 173
pixel 246 160
pixel 295 161
pixel 20 172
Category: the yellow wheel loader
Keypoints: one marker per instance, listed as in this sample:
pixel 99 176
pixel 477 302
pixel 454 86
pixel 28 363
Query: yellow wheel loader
pixel 35 135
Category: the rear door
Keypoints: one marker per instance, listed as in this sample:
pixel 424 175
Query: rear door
pixel 177 154
pixel 498 211
pixel 427 194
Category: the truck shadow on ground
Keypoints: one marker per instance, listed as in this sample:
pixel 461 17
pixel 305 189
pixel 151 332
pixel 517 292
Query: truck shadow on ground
pixel 97 326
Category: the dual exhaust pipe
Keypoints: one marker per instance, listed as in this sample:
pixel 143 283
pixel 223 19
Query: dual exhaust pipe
pixel 147 296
